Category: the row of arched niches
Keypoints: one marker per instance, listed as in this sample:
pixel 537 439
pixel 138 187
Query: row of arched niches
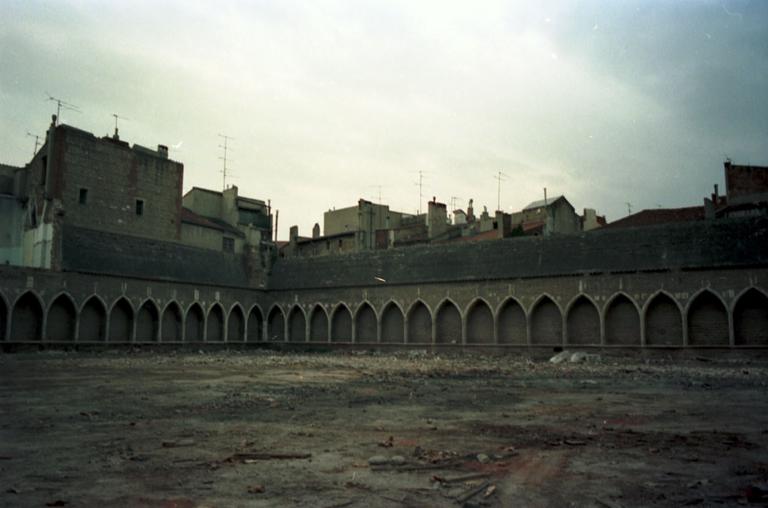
pixel 705 320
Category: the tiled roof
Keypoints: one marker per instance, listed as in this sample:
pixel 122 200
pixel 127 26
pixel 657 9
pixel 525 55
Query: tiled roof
pixel 657 216
pixel 543 202
pixel 191 217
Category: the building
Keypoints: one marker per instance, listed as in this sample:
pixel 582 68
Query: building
pixel 84 200
pixel 746 195
pixel 746 192
pixel 547 216
pixel 367 226
pixel 224 220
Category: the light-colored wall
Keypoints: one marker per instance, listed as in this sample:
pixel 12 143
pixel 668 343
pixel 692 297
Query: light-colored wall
pixel 563 218
pixel 207 238
pixel 342 220
pixel 203 202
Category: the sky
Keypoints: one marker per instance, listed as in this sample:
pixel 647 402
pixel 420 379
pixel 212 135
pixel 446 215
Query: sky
pixel 614 104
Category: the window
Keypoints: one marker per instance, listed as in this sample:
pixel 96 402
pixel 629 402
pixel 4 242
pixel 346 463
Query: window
pixel 139 207
pixel 83 199
pixel 44 172
pixel 228 244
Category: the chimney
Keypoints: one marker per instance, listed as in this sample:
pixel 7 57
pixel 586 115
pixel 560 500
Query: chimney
pixel 163 151
pixel 316 230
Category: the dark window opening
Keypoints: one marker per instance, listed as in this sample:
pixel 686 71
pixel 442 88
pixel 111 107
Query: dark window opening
pixel 228 244
pixel 83 198
pixel 44 172
pixel 139 207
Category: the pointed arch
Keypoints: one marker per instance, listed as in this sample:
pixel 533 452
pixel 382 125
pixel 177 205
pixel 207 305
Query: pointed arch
pixel 147 322
pixel 171 323
pixel 255 324
pixel 194 324
pixel 236 324
pixel 582 322
pixel 750 318
pixel 62 317
pixel 318 324
pixel 297 325
pixel 663 321
pixel 480 323
pixel 214 324
pixel 622 321
pixel 511 323
pixel 3 317
pixel 121 321
pixel 708 320
pixel 392 324
pixel 93 320
pixel 546 322
pixel 341 324
pixel 448 323
pixel 365 323
pixel 27 318
pixel 419 322
pixel 276 324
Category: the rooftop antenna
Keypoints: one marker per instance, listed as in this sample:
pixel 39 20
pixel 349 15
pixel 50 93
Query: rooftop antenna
pixel 500 177
pixel 420 183
pixel 224 158
pixel 37 141
pixel 62 104
pixel 454 199
pixel 629 208
pixel 378 187
pixel 116 118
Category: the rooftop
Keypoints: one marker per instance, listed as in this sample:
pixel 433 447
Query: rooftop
pixel 659 216
pixel 543 202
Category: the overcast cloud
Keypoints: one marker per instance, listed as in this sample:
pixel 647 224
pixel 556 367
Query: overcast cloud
pixel 606 102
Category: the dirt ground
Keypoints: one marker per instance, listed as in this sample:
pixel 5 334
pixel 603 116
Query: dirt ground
pixel 260 428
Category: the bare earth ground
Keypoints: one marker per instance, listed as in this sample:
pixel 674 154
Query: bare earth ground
pixel 275 429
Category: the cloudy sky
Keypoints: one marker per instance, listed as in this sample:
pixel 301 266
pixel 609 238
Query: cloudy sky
pixel 328 101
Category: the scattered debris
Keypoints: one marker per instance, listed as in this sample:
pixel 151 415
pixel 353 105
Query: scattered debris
pixel 252 457
pixel 179 443
pixel 472 492
pixel 460 479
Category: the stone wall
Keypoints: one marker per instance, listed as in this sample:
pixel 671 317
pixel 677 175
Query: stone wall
pixel 90 251
pixel 40 305
pixel 114 177
pixel 655 309
pixel 699 285
pixel 700 245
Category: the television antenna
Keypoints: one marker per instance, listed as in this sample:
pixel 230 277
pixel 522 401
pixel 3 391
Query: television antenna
pixel 379 187
pixel 454 199
pixel 500 177
pixel 37 141
pixel 420 183
pixel 62 104
pixel 116 118
pixel 629 208
pixel 226 149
